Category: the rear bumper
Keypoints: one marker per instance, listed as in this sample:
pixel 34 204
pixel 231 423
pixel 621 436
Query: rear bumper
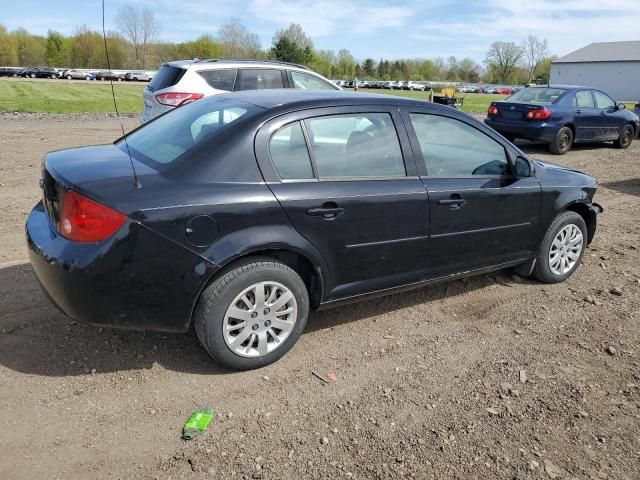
pixel 136 279
pixel 530 131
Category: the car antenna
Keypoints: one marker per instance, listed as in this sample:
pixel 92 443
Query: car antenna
pixel 136 183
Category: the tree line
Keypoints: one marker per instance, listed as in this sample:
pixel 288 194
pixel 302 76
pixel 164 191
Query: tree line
pixel 136 45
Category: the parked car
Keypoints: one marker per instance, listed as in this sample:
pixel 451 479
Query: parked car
pixel 40 72
pixel 563 115
pixel 254 207
pixel 10 71
pixel 106 75
pixel 392 85
pixel 181 82
pixel 413 86
pixel 636 109
pixel 139 76
pixel 77 75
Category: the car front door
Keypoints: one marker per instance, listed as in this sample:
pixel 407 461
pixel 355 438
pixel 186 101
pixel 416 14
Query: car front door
pixel 610 119
pixel 586 116
pixel 483 208
pixel 347 181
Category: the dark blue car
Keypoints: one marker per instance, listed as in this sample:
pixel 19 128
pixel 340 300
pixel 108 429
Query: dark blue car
pixel 563 115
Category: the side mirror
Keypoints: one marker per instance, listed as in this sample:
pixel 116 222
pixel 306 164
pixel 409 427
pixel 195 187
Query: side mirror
pixel 621 106
pixel 521 168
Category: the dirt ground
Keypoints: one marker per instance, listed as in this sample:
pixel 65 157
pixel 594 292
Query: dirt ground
pixel 490 377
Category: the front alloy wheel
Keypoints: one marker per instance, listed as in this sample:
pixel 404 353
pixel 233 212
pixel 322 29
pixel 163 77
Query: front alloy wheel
pixel 562 248
pixel 565 250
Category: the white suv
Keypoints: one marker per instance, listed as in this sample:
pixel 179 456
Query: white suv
pixel 184 81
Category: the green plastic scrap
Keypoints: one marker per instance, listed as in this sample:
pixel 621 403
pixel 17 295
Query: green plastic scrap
pixel 197 423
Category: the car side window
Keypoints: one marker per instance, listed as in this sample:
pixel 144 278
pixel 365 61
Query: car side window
pixel 584 99
pixel 289 153
pixel 259 79
pixel 452 148
pixel 221 79
pixel 363 145
pixel 603 101
pixel 309 82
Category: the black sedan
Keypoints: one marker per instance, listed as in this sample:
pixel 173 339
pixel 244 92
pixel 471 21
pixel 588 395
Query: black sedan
pixel 249 209
pixel 40 72
pixel 562 115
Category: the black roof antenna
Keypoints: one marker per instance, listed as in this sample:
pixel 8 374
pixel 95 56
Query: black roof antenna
pixel 136 183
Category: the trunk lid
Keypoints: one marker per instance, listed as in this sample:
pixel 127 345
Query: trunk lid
pixel 516 112
pixel 102 173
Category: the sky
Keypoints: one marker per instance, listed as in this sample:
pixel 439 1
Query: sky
pixel 368 28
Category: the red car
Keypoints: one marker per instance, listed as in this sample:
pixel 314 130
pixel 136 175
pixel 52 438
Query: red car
pixel 505 91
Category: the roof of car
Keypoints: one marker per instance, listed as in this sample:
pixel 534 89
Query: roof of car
pixel 231 62
pixel 292 97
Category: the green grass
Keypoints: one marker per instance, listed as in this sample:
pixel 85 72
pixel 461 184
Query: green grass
pixel 473 102
pixel 95 97
pixel 67 97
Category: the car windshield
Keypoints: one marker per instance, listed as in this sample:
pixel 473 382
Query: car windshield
pixel 543 96
pixel 164 140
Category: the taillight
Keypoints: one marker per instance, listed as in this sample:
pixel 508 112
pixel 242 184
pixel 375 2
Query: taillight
pixel 85 220
pixel 177 99
pixel 538 114
pixel 493 110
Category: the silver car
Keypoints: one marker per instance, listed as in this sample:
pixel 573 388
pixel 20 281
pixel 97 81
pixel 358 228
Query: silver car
pixel 184 81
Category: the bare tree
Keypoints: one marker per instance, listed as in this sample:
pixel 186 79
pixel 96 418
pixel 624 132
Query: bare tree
pixel 502 60
pixel 140 27
pixel 236 41
pixel 534 50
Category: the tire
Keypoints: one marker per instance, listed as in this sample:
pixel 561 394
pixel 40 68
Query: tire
pixel 544 270
pixel 53 76
pixel 212 316
pixel 563 141
pixel 625 138
pixel 69 77
pixel 33 75
pixel 87 77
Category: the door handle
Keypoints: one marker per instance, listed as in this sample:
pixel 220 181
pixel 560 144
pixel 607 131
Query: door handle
pixel 455 203
pixel 327 210
pixel 578 111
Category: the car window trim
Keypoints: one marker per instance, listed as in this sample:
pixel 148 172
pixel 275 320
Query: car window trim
pixel 420 155
pixel 382 177
pixel 273 124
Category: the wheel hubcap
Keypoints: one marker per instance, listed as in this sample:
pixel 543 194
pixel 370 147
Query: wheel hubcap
pixel 626 138
pixel 565 250
pixel 564 141
pixel 259 319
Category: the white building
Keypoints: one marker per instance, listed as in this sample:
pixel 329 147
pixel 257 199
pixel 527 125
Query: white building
pixel 610 66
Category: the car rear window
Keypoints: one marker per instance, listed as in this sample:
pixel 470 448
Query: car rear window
pixel 543 96
pixel 221 79
pixel 167 138
pixel 167 76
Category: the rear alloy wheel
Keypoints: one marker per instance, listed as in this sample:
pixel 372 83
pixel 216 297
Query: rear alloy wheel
pixel 87 77
pixel 69 77
pixel 561 249
pixel 252 315
pixel 53 76
pixel 625 138
pixel 33 75
pixel 563 141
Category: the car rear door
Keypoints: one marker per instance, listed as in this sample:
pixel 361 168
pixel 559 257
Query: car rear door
pixel 346 178
pixel 586 116
pixel 482 214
